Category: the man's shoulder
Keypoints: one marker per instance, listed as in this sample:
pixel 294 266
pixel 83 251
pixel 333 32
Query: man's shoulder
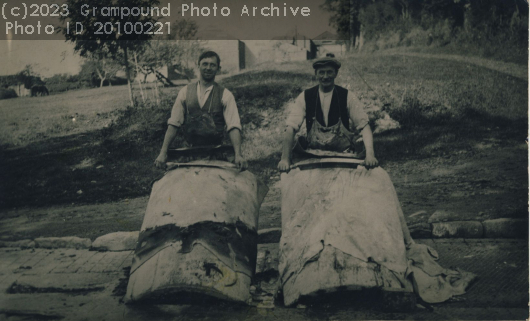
pixel 341 89
pixel 191 85
pixel 310 89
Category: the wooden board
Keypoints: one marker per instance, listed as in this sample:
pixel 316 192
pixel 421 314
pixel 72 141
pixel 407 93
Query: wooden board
pixel 328 162
pixel 199 163
pixel 185 151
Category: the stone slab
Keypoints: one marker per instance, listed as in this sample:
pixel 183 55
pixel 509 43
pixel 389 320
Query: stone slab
pixel 420 230
pixel 24 244
pixel 505 228
pixel 269 235
pixel 64 283
pixel 63 242
pixel 444 216
pixel 118 241
pixel 465 229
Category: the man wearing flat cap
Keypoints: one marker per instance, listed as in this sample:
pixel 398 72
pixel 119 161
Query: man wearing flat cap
pixel 335 119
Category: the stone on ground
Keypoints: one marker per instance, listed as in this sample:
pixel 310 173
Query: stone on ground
pixel 118 241
pixel 463 229
pixel 72 242
pixel 505 228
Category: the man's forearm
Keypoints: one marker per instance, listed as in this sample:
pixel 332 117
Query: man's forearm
pixel 171 133
pixel 288 141
pixel 235 138
pixel 368 140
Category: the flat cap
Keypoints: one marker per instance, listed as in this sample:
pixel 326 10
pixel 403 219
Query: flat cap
pixel 326 61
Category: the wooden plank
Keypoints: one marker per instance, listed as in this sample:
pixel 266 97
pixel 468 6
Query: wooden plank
pixel 213 164
pixel 127 261
pixel 322 162
pixel 27 259
pixel 111 262
pixel 47 264
pixel 9 259
pixel 68 258
pixel 77 263
pixel 325 153
pixel 93 262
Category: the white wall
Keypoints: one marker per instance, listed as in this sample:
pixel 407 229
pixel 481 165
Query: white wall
pixel 228 52
pixel 260 51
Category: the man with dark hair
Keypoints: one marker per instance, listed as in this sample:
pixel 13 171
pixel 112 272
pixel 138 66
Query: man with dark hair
pixel 204 110
pixel 334 118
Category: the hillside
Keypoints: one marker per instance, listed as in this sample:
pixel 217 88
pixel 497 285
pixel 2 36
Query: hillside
pixel 444 108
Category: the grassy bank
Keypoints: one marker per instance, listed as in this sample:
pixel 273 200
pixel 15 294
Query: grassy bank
pixel 443 108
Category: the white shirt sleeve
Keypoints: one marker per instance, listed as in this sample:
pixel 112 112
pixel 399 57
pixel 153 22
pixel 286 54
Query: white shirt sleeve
pixel 177 112
pixel 296 113
pixel 358 117
pixel 230 112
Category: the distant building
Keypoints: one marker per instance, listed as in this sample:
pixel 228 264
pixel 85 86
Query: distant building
pixel 237 55
pixel 21 90
pixel 327 42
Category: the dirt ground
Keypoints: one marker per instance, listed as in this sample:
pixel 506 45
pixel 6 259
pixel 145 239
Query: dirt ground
pixel 491 181
pixel 486 180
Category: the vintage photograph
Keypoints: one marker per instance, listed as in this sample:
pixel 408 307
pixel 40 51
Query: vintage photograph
pixel 264 160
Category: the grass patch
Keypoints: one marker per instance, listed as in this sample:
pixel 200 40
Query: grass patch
pixel 442 107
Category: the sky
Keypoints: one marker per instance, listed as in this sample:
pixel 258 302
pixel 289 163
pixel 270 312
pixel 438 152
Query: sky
pixel 50 57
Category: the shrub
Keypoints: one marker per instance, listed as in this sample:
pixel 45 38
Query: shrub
pixel 413 113
pixel 7 93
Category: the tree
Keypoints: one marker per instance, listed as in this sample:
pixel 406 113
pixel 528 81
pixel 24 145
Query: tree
pixel 183 33
pixel 101 65
pixel 174 50
pixel 115 45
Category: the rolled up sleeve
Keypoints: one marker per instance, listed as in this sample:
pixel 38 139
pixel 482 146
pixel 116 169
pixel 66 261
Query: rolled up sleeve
pixel 358 116
pixel 230 112
pixel 177 112
pixel 296 113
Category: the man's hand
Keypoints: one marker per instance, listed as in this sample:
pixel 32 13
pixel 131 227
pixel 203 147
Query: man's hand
pixel 284 165
pixel 240 162
pixel 370 161
pixel 160 161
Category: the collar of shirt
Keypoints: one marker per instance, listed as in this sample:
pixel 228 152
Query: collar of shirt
pixel 203 96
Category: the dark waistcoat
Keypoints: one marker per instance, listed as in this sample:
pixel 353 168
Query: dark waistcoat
pixel 338 107
pixel 213 105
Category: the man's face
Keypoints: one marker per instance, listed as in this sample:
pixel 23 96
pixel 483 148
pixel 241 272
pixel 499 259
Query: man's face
pixel 208 68
pixel 326 76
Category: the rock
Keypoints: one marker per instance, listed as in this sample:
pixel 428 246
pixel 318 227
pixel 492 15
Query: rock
pixel 505 228
pixel 269 235
pixel 444 216
pixel 118 241
pixel 421 230
pixel 385 123
pixel 267 258
pixel 463 229
pixel 73 242
pixel 30 245
pixel 22 244
pixel 418 213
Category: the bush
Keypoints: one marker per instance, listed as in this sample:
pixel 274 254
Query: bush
pixel 413 113
pixel 63 86
pixel 7 93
